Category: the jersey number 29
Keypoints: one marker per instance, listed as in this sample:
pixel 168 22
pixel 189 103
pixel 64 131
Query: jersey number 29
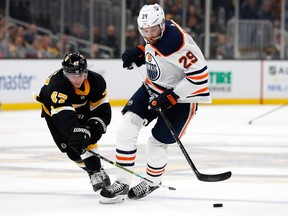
pixel 188 60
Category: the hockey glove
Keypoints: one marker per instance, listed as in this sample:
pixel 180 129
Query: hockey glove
pixel 97 127
pixel 79 139
pixel 135 54
pixel 164 101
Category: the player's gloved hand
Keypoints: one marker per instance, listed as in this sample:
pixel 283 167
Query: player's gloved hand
pixel 97 127
pixel 79 139
pixel 164 101
pixel 135 54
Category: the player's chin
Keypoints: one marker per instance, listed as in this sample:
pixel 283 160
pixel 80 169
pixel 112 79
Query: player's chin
pixel 77 85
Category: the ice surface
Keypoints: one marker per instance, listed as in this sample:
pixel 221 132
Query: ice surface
pixel 36 179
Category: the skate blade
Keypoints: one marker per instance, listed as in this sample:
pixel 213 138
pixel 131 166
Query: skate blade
pixel 114 200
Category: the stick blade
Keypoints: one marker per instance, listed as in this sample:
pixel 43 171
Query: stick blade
pixel 171 188
pixel 214 178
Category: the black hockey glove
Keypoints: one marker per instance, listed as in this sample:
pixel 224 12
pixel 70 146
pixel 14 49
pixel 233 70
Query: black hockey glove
pixel 164 101
pixel 135 54
pixel 79 139
pixel 97 127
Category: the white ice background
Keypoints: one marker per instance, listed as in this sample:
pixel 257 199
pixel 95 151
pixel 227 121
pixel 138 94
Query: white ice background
pixel 36 179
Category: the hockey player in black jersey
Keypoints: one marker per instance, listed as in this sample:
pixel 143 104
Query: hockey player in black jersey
pixel 77 111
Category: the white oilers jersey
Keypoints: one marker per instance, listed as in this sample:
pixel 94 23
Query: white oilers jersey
pixel 176 62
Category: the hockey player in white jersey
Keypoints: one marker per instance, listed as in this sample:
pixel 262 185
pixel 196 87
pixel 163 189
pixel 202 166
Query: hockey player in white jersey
pixel 177 74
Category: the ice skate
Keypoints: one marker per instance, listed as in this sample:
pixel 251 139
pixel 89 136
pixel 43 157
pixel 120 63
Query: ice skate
pixel 105 177
pixel 141 190
pixel 114 193
pixel 99 180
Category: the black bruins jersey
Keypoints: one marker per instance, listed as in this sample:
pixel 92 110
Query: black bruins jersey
pixel 68 106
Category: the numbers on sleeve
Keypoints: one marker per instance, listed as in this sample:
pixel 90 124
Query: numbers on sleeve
pixel 58 97
pixel 188 60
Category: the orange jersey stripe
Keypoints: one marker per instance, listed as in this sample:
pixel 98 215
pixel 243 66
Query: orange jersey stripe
pixel 201 90
pixel 152 85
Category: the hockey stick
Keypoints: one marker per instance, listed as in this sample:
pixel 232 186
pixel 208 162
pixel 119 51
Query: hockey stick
pixel 127 170
pixel 200 176
pixel 271 111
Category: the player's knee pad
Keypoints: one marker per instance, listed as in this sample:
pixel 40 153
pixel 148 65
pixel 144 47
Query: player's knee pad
pixel 128 131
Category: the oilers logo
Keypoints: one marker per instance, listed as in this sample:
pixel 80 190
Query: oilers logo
pixel 153 70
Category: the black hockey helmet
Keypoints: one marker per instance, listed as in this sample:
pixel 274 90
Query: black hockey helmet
pixel 74 63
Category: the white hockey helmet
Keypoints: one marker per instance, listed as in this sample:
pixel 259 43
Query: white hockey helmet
pixel 149 16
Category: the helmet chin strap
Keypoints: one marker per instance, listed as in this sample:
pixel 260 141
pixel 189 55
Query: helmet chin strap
pixel 153 39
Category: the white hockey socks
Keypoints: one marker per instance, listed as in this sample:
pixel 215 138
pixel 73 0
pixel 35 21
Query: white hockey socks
pixel 157 154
